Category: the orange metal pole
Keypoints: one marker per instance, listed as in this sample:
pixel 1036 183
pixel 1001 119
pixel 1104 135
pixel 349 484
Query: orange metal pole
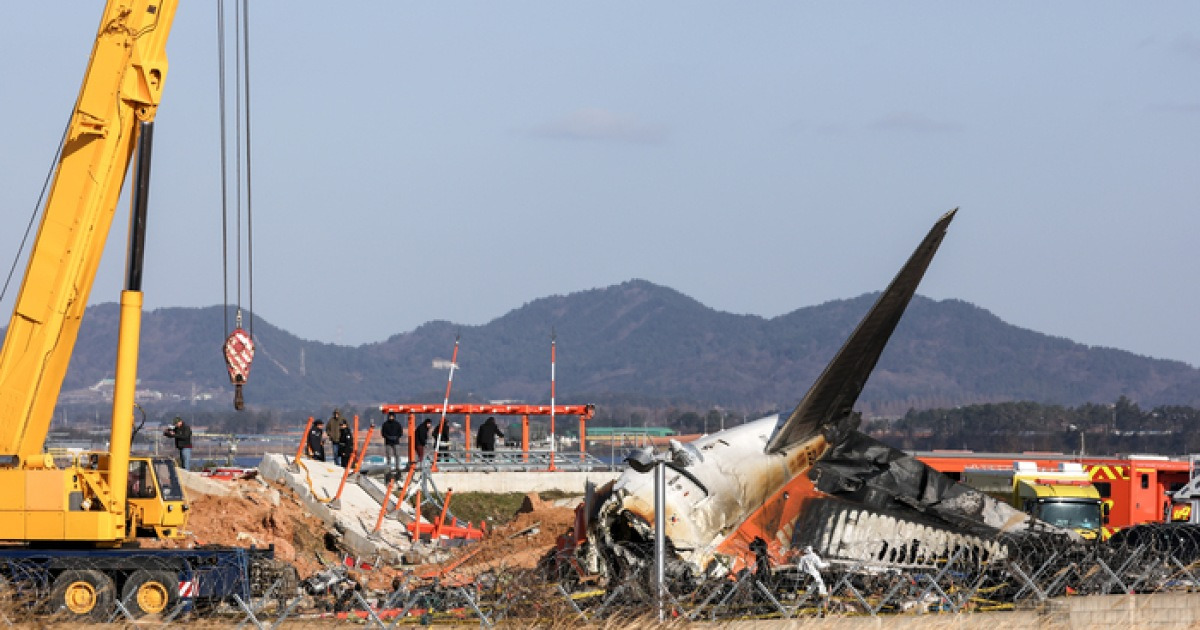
pixel 358 459
pixel 304 438
pixel 354 441
pixel 387 498
pixel 437 528
pixel 407 480
pixel 467 435
pixel 583 439
pixel 417 520
pixel 412 439
pixel 342 485
pixel 525 437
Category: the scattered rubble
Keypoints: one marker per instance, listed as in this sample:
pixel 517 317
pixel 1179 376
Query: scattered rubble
pixel 270 510
pixel 518 544
pixel 352 514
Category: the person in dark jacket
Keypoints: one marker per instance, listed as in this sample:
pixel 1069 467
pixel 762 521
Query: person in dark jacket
pixel 485 439
pixel 335 437
pixel 346 441
pixel 444 442
pixel 762 561
pixel 392 431
pixel 422 438
pixel 183 441
pixel 316 441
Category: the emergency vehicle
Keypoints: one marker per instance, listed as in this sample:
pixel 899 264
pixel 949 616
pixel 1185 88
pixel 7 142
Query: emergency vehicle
pixel 1133 489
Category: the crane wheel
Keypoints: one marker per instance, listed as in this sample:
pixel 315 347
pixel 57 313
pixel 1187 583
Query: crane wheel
pixel 150 592
pixel 82 594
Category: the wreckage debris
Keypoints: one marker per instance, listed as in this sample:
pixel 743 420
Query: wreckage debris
pixel 811 478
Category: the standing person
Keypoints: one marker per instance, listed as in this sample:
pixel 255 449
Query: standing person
pixel 183 441
pixel 392 432
pixel 422 438
pixel 335 437
pixel 485 440
pixel 444 442
pixel 346 440
pixel 762 561
pixel 316 441
pixel 811 564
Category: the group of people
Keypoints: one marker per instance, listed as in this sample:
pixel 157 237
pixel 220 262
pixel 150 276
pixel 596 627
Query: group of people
pixel 809 564
pixel 341 438
pixel 485 438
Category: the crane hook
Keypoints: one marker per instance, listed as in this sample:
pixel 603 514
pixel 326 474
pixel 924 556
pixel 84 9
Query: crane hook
pixel 239 353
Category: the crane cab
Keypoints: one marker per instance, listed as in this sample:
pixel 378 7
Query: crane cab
pixel 157 505
pixel 67 497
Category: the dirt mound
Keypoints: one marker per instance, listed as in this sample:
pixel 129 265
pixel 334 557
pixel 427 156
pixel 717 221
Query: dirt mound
pixel 531 503
pixel 253 512
pixel 516 545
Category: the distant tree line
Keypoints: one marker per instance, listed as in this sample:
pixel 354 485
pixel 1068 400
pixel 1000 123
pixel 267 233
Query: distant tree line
pixel 1121 427
pixel 1099 429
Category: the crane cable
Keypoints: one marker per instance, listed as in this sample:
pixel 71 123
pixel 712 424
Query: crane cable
pixel 239 345
pixel 37 208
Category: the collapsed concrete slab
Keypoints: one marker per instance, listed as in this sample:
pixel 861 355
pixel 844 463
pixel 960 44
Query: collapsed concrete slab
pixel 354 514
pixel 523 481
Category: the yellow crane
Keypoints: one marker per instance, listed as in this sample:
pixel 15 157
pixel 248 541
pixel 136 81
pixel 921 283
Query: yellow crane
pixel 72 501
pixel 70 522
pixel 84 497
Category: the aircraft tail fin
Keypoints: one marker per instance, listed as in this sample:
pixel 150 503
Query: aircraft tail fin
pixel 827 406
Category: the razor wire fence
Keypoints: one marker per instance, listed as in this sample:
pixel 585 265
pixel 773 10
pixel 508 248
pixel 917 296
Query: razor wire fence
pixel 1152 559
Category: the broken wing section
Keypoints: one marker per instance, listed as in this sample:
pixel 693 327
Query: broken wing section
pixel 827 406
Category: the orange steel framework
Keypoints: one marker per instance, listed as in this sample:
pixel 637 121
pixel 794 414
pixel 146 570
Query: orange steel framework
pixel 585 413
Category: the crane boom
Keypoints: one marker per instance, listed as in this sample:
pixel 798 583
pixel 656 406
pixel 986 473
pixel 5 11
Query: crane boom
pixel 98 498
pixel 121 88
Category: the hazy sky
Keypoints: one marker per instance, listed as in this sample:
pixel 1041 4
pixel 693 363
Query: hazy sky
pixel 456 160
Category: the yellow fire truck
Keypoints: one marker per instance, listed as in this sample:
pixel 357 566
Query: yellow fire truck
pixel 1064 496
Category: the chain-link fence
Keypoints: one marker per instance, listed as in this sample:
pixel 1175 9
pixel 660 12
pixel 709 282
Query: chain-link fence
pixel 1145 559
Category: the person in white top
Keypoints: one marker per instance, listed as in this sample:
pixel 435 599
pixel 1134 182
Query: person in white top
pixel 811 564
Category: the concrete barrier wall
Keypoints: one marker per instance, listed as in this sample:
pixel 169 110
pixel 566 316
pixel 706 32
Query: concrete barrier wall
pixel 1164 610
pixel 1112 612
pixel 532 481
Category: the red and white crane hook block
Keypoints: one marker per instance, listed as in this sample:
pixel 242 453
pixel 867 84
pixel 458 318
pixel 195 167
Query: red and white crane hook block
pixel 239 353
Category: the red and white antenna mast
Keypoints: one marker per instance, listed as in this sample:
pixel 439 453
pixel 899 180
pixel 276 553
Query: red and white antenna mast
pixel 437 442
pixel 553 342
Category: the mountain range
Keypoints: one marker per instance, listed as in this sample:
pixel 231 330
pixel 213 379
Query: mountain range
pixel 632 342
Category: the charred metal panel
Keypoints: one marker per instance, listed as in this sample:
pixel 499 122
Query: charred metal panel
pixel 814 479
pixel 842 530
pixel 868 472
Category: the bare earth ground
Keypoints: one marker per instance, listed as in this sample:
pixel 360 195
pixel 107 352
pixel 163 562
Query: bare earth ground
pixel 251 512
pixel 254 512
pixel 518 544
